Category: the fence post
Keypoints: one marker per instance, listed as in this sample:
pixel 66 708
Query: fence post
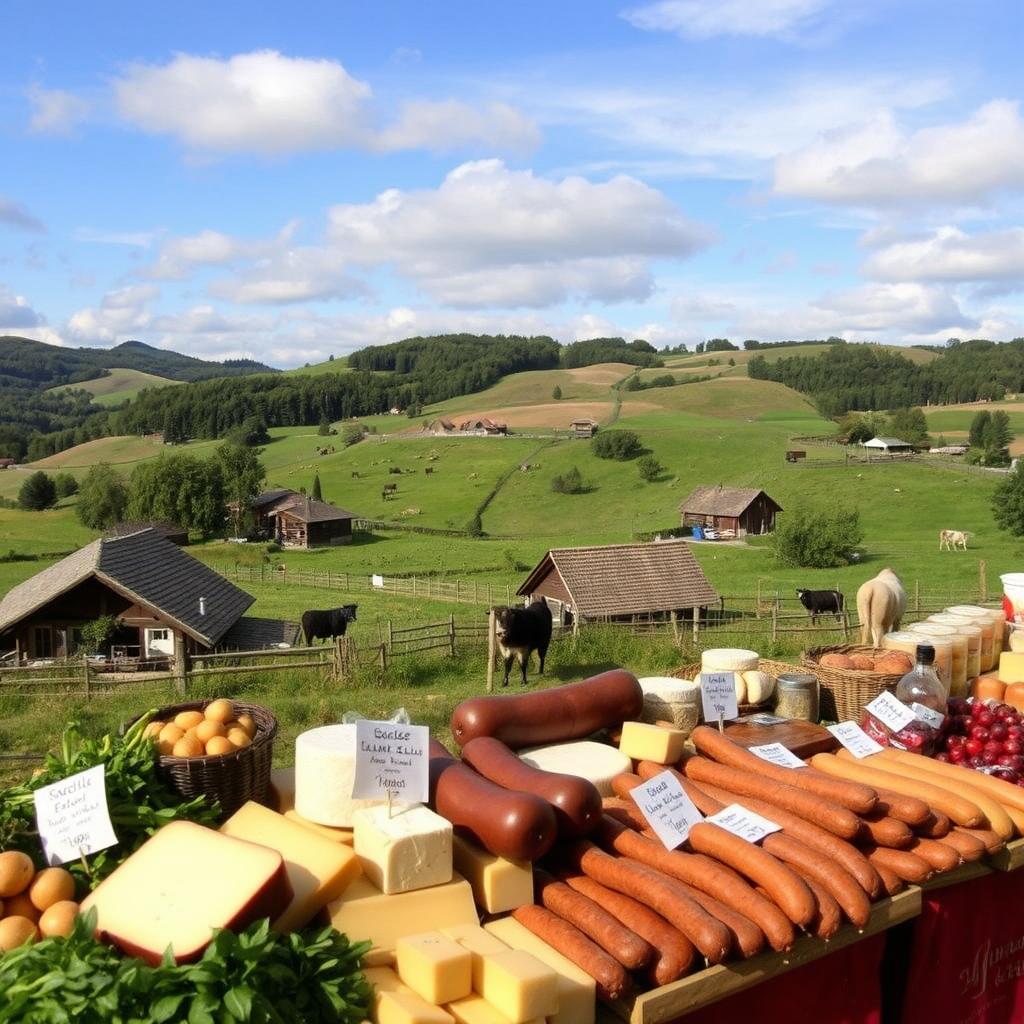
pixel 489 601
pixel 508 594
pixel 917 595
pixel 85 672
pixel 391 637
pixel 982 582
pixel 451 634
pixel 775 623
pixel 696 624
pixel 490 651
pixel 474 593
pixel 457 597
pixel 846 624
pixel 383 658
pixel 757 600
pixel 180 666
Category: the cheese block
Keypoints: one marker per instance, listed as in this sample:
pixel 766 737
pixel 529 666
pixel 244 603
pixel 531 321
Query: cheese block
pixel 728 659
pixel 318 870
pixel 181 884
pixel 325 769
pixel 403 848
pixel 282 789
pixel 667 699
pixel 643 742
pixel 1011 667
pixel 597 762
pixel 336 835
pixel 364 912
pixel 435 967
pixel 499 884
pixel 475 1009
pixel 396 1003
pixel 517 984
pixel 577 992
pixel 477 940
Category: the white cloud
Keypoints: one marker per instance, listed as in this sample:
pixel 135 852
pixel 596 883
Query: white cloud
pixel 292 275
pixel 134 239
pixel 703 19
pixel 206 319
pixel 451 124
pixel 178 257
pixel 16 313
pixel 950 254
pixel 877 163
pixel 54 111
pixel 16 216
pixel 121 315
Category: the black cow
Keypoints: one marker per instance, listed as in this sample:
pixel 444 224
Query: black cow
pixel 329 623
pixel 822 602
pixel 520 632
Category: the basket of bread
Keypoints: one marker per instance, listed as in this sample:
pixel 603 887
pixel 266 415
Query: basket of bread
pixel 851 676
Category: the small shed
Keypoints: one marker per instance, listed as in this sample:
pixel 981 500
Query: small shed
pixel 583 428
pixel 296 520
pixel 742 511
pixel 441 426
pixel 888 445
pixel 6 463
pixel 482 425
pixel 620 582
pixel 171 531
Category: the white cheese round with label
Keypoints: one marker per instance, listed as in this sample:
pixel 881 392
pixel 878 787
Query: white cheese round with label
pixel 325 768
pixel 729 659
pixel 667 699
pixel 597 762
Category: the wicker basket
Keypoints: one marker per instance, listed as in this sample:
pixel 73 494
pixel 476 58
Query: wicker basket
pixel 773 668
pixel 845 691
pixel 232 779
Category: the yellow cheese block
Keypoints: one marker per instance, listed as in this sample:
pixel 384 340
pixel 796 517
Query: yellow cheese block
pixel 435 967
pixel 1011 667
pixel 477 940
pixel 364 912
pixel 577 992
pixel 396 1003
pixel 282 789
pixel 644 742
pixel 475 1009
pixel 318 870
pixel 499 885
pixel 336 835
pixel 517 984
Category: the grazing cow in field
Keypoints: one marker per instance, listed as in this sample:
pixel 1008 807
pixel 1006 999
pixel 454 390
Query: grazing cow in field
pixel 822 602
pixel 881 603
pixel 953 539
pixel 389 489
pixel 327 624
pixel 520 632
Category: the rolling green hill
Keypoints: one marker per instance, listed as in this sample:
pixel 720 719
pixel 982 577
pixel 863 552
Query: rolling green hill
pixel 339 365
pixel 119 385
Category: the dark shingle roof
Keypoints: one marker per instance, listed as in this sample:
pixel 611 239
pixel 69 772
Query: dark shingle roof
pixel 145 567
pixel 269 497
pixel 627 579
pixel 309 510
pixel 722 501
pixel 251 633
pixel 164 528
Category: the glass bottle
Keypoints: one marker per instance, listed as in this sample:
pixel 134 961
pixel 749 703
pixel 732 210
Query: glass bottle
pixel 923 692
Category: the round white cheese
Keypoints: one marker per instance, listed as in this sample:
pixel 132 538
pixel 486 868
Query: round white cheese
pixel 759 685
pixel 589 760
pixel 729 659
pixel 325 768
pixel 667 699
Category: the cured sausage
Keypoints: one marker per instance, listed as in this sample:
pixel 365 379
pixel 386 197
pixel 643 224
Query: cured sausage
pixel 907 866
pixel 703 873
pixel 988 838
pixel 747 939
pixel 575 801
pixel 940 856
pixel 969 846
pixel 890 880
pixel 674 951
pixel 657 891
pixel 610 934
pixel 937 826
pixel 840 820
pixel 520 826
pixel 554 715
pixel 717 746
pixel 624 784
pixel 829 917
pixel 913 812
pixel 885 831
pixel 611 977
pixel 626 812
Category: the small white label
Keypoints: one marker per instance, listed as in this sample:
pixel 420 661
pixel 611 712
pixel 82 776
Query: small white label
pixel 763 718
pixel 776 753
pixel 669 810
pixel 892 713
pixel 743 823
pixel 391 760
pixel 855 739
pixel 718 693
pixel 72 816
pixel 928 715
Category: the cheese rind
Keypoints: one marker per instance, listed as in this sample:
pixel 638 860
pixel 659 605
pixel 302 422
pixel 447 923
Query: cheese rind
pixel 475 1009
pixel 576 989
pixel 396 1003
pixel 435 967
pixel 318 870
pixel 405 849
pixel 499 884
pixel 364 912
pixel 182 883
pixel 643 742
pixel 667 699
pixel 517 984
pixel 597 762
pixel 729 659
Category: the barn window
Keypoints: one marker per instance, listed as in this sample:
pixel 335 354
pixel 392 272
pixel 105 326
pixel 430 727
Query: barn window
pixel 42 641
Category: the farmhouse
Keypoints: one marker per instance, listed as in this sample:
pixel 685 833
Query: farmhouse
pixel 888 445
pixel 296 520
pixel 441 426
pixel 620 582
pixel 482 425
pixel 583 428
pixel 736 510
pixel 165 602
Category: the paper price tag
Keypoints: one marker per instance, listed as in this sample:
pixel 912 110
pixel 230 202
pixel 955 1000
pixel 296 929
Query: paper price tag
pixel 72 816
pixel 928 715
pixel 392 761
pixel 718 693
pixel 855 739
pixel 892 713
pixel 667 808
pixel 776 753
pixel 743 823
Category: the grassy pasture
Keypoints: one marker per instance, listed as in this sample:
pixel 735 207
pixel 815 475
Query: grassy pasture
pixel 120 385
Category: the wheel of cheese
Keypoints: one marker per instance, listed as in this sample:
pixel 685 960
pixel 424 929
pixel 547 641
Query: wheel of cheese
pixel 667 699
pixel 325 768
pixel 589 760
pixel 729 659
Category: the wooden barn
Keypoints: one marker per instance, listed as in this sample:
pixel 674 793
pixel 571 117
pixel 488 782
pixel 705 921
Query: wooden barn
pixel 583 428
pixel 620 582
pixel 165 602
pixel 734 511
pixel 296 520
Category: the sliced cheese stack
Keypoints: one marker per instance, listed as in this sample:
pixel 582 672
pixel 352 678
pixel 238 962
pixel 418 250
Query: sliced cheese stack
pixel 325 768
pixel 403 848
pixel 396 1003
pixel 671 700
pixel 597 762
pixel 499 884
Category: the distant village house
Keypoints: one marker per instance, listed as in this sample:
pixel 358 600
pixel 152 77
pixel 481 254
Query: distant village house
pixel 583 428
pixel 296 520
pixel 734 511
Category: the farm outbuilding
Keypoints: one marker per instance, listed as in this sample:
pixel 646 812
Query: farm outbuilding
pixel 888 445
pixel 583 428
pixel 482 425
pixel 620 582
pixel 296 520
pixel 739 511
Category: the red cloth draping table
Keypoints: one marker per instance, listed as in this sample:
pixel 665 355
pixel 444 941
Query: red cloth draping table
pixel 967 957
pixel 841 988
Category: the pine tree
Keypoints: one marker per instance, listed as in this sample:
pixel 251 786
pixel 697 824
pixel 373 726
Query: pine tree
pixel 316 493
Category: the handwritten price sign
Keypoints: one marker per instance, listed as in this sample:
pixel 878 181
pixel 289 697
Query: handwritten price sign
pixel 718 693
pixel 669 810
pixel 743 823
pixel 391 761
pixel 72 816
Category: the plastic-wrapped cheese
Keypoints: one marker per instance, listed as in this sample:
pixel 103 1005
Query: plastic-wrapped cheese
pixel 325 768
pixel 594 761
pixel 729 659
pixel 667 699
pixel 759 686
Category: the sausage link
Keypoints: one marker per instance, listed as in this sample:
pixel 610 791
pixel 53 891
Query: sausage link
pixel 988 838
pixel 902 863
pixel 626 812
pixel 747 939
pixel 892 882
pixel 970 847
pixel 829 917
pixel 625 783
pixel 936 827
pixel 938 855
pixel 908 809
pixel 886 831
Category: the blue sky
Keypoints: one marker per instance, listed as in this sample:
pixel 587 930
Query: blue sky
pixel 290 181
